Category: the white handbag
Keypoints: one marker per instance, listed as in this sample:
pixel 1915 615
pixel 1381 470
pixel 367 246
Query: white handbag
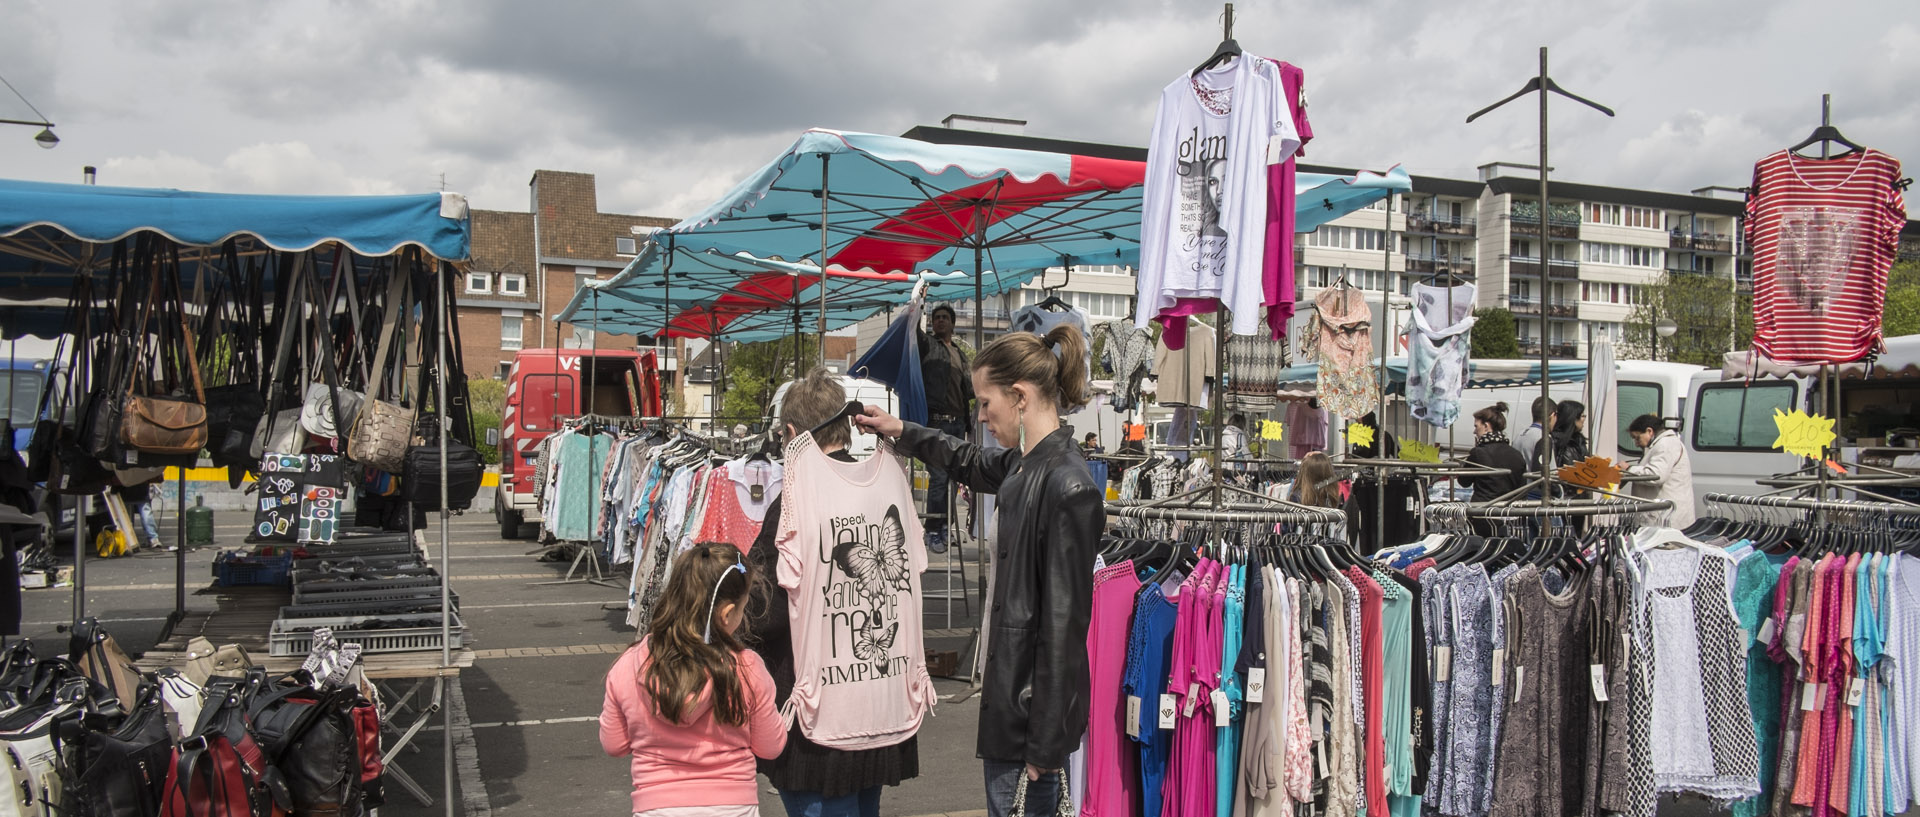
pixel 317 415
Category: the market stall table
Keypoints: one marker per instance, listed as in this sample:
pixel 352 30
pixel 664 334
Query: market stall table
pixel 245 615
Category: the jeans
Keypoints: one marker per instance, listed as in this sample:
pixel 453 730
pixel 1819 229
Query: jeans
pixel 1043 795
pixel 937 479
pixel 143 511
pixel 863 803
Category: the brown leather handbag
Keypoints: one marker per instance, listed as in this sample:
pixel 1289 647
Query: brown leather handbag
pixel 166 425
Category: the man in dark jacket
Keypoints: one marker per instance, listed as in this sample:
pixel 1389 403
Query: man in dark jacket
pixel 945 370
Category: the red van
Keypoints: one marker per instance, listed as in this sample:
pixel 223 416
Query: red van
pixel 544 387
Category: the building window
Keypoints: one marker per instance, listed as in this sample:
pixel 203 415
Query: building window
pixel 479 283
pixel 582 279
pixel 513 283
pixel 625 246
pixel 510 331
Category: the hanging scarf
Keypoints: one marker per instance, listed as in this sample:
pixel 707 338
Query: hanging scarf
pixel 1490 437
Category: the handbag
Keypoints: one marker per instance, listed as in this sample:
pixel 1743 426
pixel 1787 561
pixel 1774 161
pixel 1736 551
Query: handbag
pixel 324 404
pixel 381 430
pixel 421 477
pixel 204 662
pixel 99 656
pixel 30 778
pixel 279 433
pixel 166 425
pixel 120 773
pixel 220 770
pixel 309 737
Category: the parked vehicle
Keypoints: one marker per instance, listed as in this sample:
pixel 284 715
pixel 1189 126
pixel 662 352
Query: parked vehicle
pixel 544 387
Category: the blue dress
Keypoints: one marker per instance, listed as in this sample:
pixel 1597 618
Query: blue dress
pixel 1149 658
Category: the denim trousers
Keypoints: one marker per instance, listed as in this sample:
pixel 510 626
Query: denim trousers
pixel 863 803
pixel 1043 795
pixel 937 479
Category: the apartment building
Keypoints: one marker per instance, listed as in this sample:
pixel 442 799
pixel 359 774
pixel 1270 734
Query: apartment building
pixel 527 266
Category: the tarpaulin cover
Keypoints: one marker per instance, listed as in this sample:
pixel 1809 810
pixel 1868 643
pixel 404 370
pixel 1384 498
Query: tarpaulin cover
pixel 1481 374
pixel 889 204
pixel 1901 359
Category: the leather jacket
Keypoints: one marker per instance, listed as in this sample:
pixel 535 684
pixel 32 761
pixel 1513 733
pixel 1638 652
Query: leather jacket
pixel 1034 701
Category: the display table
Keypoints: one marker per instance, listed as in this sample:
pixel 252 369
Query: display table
pixel 245 615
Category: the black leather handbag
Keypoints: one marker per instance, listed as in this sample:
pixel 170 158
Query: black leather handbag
pixel 308 735
pixel 122 773
pixel 421 478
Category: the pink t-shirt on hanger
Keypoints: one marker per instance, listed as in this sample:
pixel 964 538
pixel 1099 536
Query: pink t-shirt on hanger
pixel 853 589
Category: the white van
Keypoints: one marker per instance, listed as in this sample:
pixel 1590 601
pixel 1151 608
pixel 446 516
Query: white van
pixel 868 392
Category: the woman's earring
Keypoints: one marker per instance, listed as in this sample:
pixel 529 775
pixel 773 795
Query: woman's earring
pixel 1023 431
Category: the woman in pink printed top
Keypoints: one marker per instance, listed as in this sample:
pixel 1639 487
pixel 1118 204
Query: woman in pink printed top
pixel 690 703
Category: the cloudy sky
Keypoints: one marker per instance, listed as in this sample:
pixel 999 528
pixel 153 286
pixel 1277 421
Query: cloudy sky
pixel 670 102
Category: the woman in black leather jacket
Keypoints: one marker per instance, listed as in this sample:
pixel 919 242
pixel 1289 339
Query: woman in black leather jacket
pixel 1033 705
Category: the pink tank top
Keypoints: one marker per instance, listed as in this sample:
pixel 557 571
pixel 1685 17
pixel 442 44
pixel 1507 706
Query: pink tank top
pixel 852 577
pixel 1111 792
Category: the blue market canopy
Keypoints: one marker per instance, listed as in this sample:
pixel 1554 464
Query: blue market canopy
pixel 709 294
pixel 51 232
pixel 891 205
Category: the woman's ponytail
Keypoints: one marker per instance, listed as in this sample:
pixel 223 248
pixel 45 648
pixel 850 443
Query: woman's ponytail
pixel 1069 347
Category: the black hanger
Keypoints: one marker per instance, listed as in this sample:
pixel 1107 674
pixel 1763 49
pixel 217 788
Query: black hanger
pixel 1052 303
pixel 1827 133
pixel 1229 49
pixel 851 409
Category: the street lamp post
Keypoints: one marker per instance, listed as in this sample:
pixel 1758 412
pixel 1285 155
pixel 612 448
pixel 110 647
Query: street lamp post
pixel 45 137
pixel 1665 327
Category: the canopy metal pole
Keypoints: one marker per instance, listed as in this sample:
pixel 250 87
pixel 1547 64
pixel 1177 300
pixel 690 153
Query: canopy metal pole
pixel 825 188
pixel 180 546
pixel 1380 419
pixel 446 559
pixel 1546 434
pixel 79 558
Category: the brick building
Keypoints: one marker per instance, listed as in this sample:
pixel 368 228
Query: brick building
pixel 510 298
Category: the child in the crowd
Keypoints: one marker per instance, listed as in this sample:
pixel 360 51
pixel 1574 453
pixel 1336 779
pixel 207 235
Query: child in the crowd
pixel 690 703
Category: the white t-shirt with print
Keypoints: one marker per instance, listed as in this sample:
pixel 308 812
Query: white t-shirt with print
pixel 1203 218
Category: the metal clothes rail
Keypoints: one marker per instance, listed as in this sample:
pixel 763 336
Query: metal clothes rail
pixel 1443 511
pixel 1889 507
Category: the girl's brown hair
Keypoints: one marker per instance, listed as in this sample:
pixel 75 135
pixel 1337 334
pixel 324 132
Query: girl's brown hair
pixel 1056 363
pixel 1317 485
pixel 688 645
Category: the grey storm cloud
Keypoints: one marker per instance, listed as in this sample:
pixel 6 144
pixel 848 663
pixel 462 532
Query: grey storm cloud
pixel 670 103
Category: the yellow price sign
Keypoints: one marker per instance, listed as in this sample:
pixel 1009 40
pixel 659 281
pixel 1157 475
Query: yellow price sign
pixel 1270 430
pixel 1360 434
pixel 1803 434
pixel 1417 451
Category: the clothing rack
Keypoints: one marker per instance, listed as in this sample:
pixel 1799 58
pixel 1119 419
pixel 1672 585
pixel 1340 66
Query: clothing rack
pixel 1891 507
pixel 1442 511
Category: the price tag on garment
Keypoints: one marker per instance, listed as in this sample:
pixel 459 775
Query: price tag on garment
pixel 1519 682
pixel 1442 664
pixel 1133 716
pixel 1360 434
pixel 1168 711
pixel 1812 697
pixel 1222 711
pixel 1599 673
pixel 1765 635
pixel 1257 685
pixel 1593 472
pixel 1499 665
pixel 758 493
pixel 1856 691
pixel 1193 700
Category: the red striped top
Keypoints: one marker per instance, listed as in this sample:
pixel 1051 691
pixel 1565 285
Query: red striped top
pixel 1823 233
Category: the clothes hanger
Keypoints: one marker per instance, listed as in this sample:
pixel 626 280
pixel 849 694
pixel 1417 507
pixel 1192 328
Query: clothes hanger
pixel 851 409
pixel 1227 50
pixel 1829 134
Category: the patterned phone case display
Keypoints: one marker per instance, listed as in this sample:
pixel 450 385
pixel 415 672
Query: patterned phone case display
pixel 322 500
pixel 278 511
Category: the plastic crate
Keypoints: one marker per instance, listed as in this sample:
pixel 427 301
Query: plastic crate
pixel 364 575
pixel 234 568
pixel 284 640
pixel 391 589
pixel 377 607
pixel 388 561
pixel 345 550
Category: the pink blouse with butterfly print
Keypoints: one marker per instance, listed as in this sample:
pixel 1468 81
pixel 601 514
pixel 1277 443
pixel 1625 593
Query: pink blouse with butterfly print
pixel 853 593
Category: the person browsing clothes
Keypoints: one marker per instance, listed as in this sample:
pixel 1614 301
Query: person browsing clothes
pixel 1034 703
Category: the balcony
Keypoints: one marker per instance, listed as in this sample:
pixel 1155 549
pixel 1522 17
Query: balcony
pixel 1529 268
pixel 1530 347
pixel 1558 308
pixel 1700 242
pixel 1429 264
pixel 1437 224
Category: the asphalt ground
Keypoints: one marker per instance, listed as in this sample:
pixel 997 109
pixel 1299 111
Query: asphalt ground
pixel 525 716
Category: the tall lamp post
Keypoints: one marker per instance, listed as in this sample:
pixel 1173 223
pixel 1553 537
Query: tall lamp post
pixel 45 137
pixel 1665 327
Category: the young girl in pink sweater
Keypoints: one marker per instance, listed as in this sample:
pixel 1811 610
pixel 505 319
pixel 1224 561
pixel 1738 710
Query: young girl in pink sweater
pixel 690 703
